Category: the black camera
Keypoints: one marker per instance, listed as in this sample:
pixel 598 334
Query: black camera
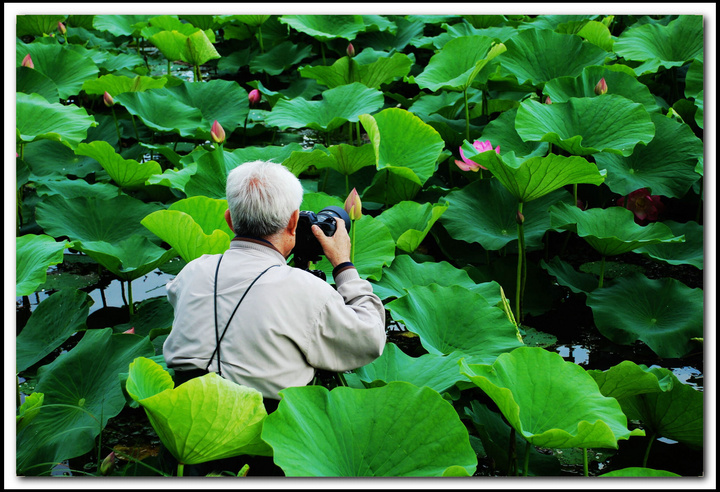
pixel 307 248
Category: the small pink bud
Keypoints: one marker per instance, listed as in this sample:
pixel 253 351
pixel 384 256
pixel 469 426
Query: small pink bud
pixel 131 331
pixel 353 205
pixel 254 97
pixel 107 99
pixel 108 464
pixel 350 50
pixel 547 100
pixel 62 28
pixel 27 61
pixel 217 133
pixel 519 218
pixel 601 87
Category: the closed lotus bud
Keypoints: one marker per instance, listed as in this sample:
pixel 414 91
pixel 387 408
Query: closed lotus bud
pixel 62 28
pixel 131 331
pixel 520 218
pixel 547 100
pixel 108 464
pixel 27 61
pixel 217 133
pixel 254 97
pixel 108 100
pixel 350 50
pixel 353 205
pixel 601 87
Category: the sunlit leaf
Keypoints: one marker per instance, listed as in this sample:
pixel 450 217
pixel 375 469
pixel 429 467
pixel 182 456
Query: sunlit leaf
pixel 409 222
pixel 34 254
pixel 127 173
pixel 326 27
pixel 39 119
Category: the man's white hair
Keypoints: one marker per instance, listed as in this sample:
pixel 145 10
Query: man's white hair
pixel 262 196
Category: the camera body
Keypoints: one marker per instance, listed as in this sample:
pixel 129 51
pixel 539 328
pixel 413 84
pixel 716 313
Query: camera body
pixel 307 248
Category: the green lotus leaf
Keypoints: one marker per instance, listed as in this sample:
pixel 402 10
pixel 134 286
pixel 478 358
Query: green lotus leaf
pixel 51 159
pixel 127 173
pixel 28 81
pixel 152 317
pixel 195 49
pixel 318 201
pixel 208 213
pixel 34 254
pixel 628 379
pixel 675 414
pixel 250 20
pixel 566 275
pixel 382 71
pixel 620 83
pixel 539 55
pixel 405 272
pixel 341 104
pixel 665 313
pixel 484 212
pixel 501 132
pixel 173 23
pixel 129 258
pixel 437 372
pixel 454 318
pixel 210 176
pixel 117 84
pixel 457 64
pixel 37 25
pixel 537 176
pixel 587 125
pixel 326 27
pixel 637 471
pixel 121 25
pixel 190 108
pixel 402 142
pixel 392 185
pixel 39 119
pixel 598 34
pixel 54 320
pixel 184 235
pixel 391 431
pixel 89 219
pixel 690 252
pixel 694 80
pixel 84 406
pixel 549 401
pixel 657 45
pixel 280 58
pixel 64 67
pixel 28 410
pixel 204 419
pixel 611 231
pixel 409 222
pixel 666 164
pixel 73 188
pixel 375 247
pixel 348 159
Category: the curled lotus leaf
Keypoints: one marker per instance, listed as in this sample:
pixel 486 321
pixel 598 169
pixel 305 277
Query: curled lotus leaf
pixel 127 173
pixel 409 222
pixel 185 235
pixel 34 254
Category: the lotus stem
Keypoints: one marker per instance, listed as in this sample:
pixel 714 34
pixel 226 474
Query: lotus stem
pixel 520 266
pixel 585 462
pixel 260 39
pixel 245 127
pixel 122 292
pixel 350 139
pixel 180 469
pixel 467 117
pixel 347 182
pixel 357 130
pixel 602 272
pixel 512 456
pixel 350 70
pixel 137 135
pixel 527 458
pixel 575 193
pixel 352 242
pixel 484 108
pixel 117 127
pixel 169 66
pixel 130 304
pixel 647 451
pixel 322 52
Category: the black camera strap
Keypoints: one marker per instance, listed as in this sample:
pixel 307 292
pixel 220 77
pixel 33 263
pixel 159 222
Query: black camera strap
pixel 218 336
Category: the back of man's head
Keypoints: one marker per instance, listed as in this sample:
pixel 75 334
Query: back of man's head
pixel 262 197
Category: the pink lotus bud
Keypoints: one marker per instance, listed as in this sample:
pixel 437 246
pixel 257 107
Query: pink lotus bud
pixel 254 97
pixel 350 50
pixel 108 100
pixel 131 331
pixel 519 218
pixel 217 133
pixel 547 100
pixel 62 28
pixel 27 61
pixel 601 87
pixel 353 205
pixel 108 464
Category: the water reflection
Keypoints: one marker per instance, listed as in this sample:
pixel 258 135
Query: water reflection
pixel 580 354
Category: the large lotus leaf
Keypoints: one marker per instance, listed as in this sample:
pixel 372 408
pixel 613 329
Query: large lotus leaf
pixel 195 49
pixel 64 67
pixel 676 414
pixel 540 55
pixel 611 231
pixel 402 140
pixel 657 45
pixel 537 176
pixel 691 252
pixel 127 173
pixel 129 258
pixel 36 118
pixel 121 25
pixel 204 419
pixel 348 159
pixel 694 84
pixel 637 471
pixel 250 20
pixel 73 188
pixel 208 213
pixel 152 317
pixel 318 201
pixel 664 313
pixel 173 23
pixel 54 320
pixel 666 164
pixel 437 372
pixel 457 64
pixel 566 275
pixel 381 71
pixel 93 219
pixel 628 379
pixel 53 159
pixel 618 82
pixel 501 132
pixel 551 402
pixel 28 410
pixel 392 185
pixel 454 318
pixel 409 222
pixel 210 176
pixel 390 431
pixel 338 105
pixel 28 80
pixel 37 25
pixel 33 255
pixel 84 385
pixel 326 27
pixel 184 235
pixel 374 245
pixel 587 125
pixel 117 84
pixel 484 212
pixel 405 272
pixel 280 58
pixel 162 110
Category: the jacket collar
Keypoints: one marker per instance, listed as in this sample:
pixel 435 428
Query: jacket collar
pixel 255 243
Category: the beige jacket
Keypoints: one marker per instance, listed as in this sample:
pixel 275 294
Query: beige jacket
pixel 290 323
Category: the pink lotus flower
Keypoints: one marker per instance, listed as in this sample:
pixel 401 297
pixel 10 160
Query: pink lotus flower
pixel 217 133
pixel 601 87
pixel 646 207
pixel 350 50
pixel 107 99
pixel 254 97
pixel 353 205
pixel 469 165
pixel 27 61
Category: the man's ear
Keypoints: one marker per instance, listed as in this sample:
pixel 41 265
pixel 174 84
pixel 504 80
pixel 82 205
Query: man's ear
pixel 293 222
pixel 228 219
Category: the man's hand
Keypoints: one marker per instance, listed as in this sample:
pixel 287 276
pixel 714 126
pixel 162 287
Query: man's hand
pixel 336 247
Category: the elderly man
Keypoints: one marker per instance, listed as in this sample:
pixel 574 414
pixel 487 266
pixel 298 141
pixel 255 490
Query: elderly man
pixel 253 319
